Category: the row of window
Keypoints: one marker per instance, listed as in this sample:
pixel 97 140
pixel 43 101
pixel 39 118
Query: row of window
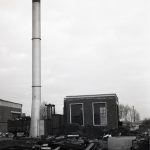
pixel 99 113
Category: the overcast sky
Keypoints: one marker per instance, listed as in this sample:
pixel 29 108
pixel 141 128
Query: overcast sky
pixel 88 47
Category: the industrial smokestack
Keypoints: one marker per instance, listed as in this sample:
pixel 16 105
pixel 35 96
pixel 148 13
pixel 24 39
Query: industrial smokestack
pixel 36 68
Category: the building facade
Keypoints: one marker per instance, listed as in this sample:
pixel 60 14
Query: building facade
pixel 8 111
pixel 94 110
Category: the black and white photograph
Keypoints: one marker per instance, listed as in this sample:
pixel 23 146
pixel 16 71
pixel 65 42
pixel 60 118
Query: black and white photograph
pixel 74 75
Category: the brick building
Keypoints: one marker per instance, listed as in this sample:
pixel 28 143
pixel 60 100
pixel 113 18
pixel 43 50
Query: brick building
pixel 8 110
pixel 94 110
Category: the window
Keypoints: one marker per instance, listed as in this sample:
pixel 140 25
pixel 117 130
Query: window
pixel 103 117
pixel 15 114
pixel 99 114
pixel 76 113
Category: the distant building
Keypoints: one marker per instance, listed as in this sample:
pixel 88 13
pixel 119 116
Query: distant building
pixel 8 111
pixel 95 110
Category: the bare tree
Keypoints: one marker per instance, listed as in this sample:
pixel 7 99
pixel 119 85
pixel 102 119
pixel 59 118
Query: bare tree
pixel 43 110
pixel 128 113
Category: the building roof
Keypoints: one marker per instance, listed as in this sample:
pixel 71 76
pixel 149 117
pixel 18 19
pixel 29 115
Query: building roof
pixel 92 96
pixel 10 104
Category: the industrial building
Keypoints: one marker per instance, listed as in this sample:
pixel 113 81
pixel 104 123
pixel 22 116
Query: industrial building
pixel 92 110
pixel 8 111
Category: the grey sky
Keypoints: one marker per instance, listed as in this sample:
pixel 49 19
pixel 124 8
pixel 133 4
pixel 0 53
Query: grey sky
pixel 88 47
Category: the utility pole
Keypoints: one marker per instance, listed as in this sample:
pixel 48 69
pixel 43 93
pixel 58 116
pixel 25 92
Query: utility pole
pixel 36 68
pixel 133 114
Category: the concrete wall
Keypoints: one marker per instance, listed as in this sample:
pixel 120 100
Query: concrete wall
pixel 120 143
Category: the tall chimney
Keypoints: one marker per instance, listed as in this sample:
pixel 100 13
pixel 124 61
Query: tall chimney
pixel 36 68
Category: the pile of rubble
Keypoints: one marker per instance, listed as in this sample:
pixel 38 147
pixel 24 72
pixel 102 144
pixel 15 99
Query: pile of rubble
pixel 69 142
pixel 76 142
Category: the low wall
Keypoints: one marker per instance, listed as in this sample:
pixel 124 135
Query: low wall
pixel 120 143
